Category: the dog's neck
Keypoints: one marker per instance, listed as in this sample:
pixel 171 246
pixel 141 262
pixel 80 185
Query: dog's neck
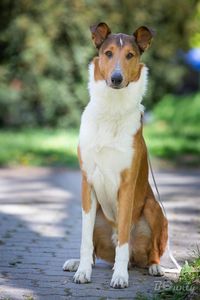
pixel 115 102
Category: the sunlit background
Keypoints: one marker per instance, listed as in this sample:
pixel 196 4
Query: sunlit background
pixel 45 48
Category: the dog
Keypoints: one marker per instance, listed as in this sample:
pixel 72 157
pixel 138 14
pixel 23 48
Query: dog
pixel 122 222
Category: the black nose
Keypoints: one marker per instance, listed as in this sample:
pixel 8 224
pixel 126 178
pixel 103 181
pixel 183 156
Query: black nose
pixel 116 78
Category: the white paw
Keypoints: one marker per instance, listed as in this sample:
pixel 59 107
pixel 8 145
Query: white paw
pixel 119 281
pixel 156 270
pixel 71 265
pixel 83 276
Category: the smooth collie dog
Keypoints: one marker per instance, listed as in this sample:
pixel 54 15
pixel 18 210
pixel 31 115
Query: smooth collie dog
pixel 122 222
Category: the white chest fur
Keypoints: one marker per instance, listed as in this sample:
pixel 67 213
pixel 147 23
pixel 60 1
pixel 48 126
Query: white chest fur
pixel 108 125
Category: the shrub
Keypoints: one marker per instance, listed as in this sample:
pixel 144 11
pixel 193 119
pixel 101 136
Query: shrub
pixel 181 113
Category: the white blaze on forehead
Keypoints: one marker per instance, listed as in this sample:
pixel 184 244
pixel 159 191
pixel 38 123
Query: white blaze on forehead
pixel 121 42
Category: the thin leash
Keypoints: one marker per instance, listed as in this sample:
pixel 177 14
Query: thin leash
pixel 178 267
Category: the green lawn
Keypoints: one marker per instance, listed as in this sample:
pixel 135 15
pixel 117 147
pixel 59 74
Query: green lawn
pixel 177 146
pixel 58 147
pixel 39 147
pixel 175 132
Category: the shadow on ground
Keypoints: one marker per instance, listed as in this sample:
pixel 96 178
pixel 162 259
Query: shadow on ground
pixel 40 228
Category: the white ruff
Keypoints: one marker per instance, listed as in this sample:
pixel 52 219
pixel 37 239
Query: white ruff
pixel 108 125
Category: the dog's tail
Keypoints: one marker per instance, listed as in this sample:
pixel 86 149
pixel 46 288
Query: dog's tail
pixel 178 267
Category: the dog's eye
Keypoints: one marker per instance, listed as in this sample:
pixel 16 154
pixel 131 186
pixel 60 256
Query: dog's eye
pixel 129 55
pixel 108 54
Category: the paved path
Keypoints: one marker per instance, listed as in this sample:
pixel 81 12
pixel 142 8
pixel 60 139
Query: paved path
pixel 40 228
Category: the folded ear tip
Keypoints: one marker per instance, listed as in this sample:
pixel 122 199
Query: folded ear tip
pixel 149 29
pixel 153 31
pixel 99 31
pixel 94 26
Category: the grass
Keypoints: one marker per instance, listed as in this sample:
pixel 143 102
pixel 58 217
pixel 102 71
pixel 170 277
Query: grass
pixel 56 147
pixel 186 287
pixel 165 143
pixel 38 147
pixel 174 134
pixel 188 284
pixel 175 131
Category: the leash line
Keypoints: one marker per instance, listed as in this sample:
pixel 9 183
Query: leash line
pixel 178 267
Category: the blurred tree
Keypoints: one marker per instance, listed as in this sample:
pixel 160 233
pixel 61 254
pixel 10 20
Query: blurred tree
pixel 45 49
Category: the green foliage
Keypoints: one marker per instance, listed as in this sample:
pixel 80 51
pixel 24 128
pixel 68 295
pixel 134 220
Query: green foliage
pixel 186 287
pixel 195 37
pixel 38 147
pixel 182 113
pixel 174 133
pixel 188 284
pixel 46 47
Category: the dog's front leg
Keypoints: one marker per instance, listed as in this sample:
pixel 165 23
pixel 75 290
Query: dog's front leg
pixel 83 274
pixel 120 275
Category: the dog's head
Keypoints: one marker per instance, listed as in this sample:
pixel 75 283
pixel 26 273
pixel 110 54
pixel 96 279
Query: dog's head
pixel 119 54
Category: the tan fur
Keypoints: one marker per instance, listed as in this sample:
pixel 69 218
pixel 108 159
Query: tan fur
pixel 133 189
pixel 140 221
pixel 102 238
pixel 86 188
pixel 97 73
pixel 130 68
pixel 120 45
pixel 99 33
pixel 159 227
pixel 140 243
pixel 137 205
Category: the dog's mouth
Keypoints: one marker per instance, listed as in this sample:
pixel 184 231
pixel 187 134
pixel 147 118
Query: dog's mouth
pixel 116 86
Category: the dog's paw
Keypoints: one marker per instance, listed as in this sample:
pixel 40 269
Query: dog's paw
pixel 156 270
pixel 83 276
pixel 71 265
pixel 119 281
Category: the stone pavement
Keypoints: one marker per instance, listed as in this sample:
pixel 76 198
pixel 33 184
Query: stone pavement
pixel 40 227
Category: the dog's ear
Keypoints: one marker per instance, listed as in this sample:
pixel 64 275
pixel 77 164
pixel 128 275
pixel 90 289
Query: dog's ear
pixel 99 32
pixel 143 37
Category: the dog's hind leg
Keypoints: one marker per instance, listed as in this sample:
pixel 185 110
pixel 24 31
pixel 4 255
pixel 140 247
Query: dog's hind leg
pixel 104 247
pixel 140 243
pixel 71 265
pixel 159 228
